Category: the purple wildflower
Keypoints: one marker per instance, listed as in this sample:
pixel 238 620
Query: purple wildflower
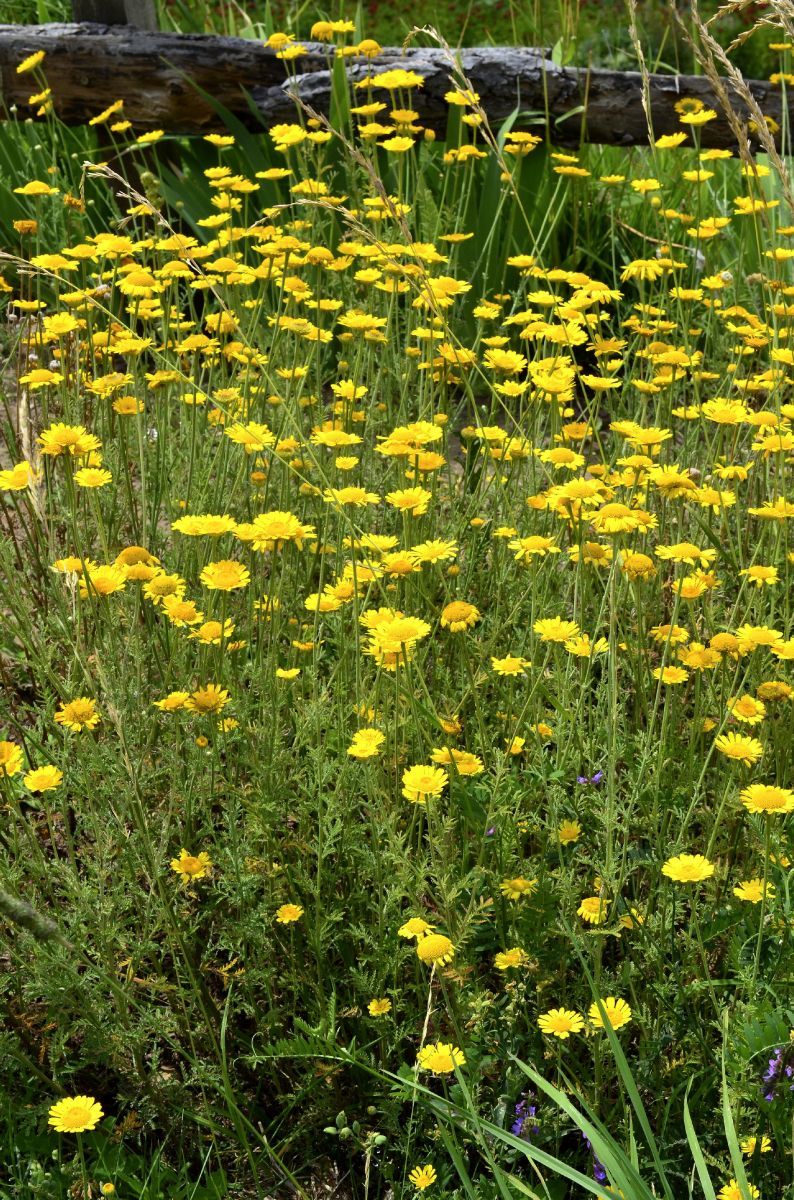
pixel 780 1069
pixel 524 1125
pixel 599 1170
pixel 593 779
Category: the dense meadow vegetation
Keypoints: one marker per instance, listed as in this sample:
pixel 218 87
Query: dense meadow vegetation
pixel 397 646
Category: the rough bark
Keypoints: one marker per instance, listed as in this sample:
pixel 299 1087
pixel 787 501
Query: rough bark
pixel 89 65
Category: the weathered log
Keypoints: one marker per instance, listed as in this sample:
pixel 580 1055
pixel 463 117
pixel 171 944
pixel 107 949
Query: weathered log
pixel 88 66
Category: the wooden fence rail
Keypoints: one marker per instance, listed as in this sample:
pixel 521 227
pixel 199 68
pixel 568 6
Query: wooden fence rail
pixel 88 66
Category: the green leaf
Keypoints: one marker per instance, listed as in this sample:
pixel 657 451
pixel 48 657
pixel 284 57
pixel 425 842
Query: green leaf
pixel 630 1086
pixel 452 1149
pixel 615 1160
pixel 739 1173
pixel 340 98
pixel 521 1187
pixel 697 1153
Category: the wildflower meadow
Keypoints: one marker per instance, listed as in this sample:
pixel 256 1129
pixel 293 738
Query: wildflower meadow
pixel 397 645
